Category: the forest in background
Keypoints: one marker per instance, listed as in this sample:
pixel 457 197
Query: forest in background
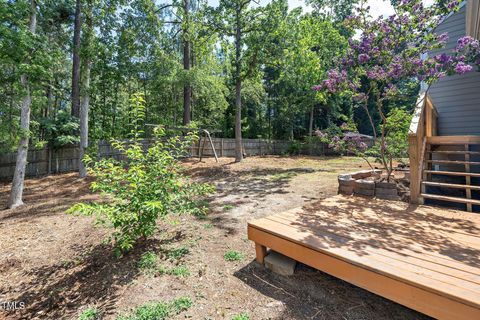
pixel 194 64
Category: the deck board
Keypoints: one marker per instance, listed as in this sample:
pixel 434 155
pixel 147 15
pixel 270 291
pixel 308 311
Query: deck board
pixel 433 251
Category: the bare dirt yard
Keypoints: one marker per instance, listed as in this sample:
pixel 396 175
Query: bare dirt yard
pixel 58 266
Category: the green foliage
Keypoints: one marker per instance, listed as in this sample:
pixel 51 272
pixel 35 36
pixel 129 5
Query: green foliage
pixel 396 137
pixel 148 262
pixel 228 207
pixel 294 148
pixel 178 271
pixel 60 131
pixel 133 47
pixel 147 185
pixel 241 316
pixel 89 314
pixel 233 255
pixel 177 253
pixel 159 310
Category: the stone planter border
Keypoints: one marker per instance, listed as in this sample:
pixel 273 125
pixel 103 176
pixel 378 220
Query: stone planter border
pixel 357 183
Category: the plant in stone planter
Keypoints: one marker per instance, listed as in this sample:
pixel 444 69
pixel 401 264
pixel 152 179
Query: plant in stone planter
pixel 388 54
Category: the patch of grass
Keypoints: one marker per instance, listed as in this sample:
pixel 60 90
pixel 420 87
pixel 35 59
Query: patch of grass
pixel 233 255
pixel 177 253
pixel 178 271
pixel 89 314
pixel 228 207
pixel 208 226
pixel 158 310
pixel 282 176
pixel 241 316
pixel 148 262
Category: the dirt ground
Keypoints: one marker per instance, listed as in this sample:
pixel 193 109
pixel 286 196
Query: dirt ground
pixel 57 264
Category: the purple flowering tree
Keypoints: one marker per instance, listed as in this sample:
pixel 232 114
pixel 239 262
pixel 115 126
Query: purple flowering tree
pixel 346 141
pixel 388 52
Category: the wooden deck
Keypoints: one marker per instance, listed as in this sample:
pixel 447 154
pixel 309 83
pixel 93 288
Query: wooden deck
pixel 425 258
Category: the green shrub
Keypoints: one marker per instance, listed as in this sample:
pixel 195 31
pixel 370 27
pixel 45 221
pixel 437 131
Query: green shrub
pixel 241 316
pixel 89 314
pixel 158 310
pixel 147 185
pixel 294 148
pixel 233 255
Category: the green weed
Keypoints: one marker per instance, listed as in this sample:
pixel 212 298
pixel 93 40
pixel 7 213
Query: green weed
pixel 148 262
pixel 177 253
pixel 233 255
pixel 241 316
pixel 158 310
pixel 89 314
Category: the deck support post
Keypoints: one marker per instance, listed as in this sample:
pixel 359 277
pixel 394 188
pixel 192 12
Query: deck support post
pixel 261 252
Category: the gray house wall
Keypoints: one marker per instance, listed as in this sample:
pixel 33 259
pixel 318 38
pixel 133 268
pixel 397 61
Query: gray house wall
pixel 457 98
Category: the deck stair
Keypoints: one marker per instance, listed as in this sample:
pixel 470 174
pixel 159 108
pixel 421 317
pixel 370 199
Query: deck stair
pixel 450 165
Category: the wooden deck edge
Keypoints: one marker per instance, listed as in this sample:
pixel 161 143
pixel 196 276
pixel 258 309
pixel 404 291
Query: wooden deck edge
pixel 422 300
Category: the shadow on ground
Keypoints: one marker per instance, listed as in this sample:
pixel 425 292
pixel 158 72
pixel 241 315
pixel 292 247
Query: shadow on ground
pixel 311 294
pixel 96 277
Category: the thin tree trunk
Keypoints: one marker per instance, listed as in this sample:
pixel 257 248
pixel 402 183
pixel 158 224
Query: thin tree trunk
pixel 76 60
pixel 310 125
pixel 16 193
pixel 85 101
pixel 238 90
pixel 187 89
pixel 84 119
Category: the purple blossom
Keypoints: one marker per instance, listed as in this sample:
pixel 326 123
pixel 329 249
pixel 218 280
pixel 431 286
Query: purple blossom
pixel 463 42
pixel 363 57
pixel 443 38
pixel 376 73
pixel 462 68
pixel 444 59
pixel 395 71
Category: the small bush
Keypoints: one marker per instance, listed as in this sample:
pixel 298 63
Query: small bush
pixel 158 310
pixel 233 255
pixel 147 185
pixel 89 314
pixel 241 316
pixel 294 148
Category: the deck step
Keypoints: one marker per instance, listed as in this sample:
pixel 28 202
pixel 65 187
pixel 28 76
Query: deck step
pixel 450 185
pixel 473 163
pixel 453 173
pixel 453 140
pixel 461 152
pixel 451 199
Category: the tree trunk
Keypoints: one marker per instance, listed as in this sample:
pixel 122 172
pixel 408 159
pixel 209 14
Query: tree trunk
pixel 16 193
pixel 187 89
pixel 84 119
pixel 310 125
pixel 238 90
pixel 76 60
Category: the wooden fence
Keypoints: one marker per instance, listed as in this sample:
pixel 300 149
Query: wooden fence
pixel 50 161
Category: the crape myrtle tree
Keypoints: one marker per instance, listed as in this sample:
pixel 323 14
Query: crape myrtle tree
pixel 386 53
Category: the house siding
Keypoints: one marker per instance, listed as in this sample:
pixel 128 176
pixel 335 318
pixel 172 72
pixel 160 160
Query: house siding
pixel 457 98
